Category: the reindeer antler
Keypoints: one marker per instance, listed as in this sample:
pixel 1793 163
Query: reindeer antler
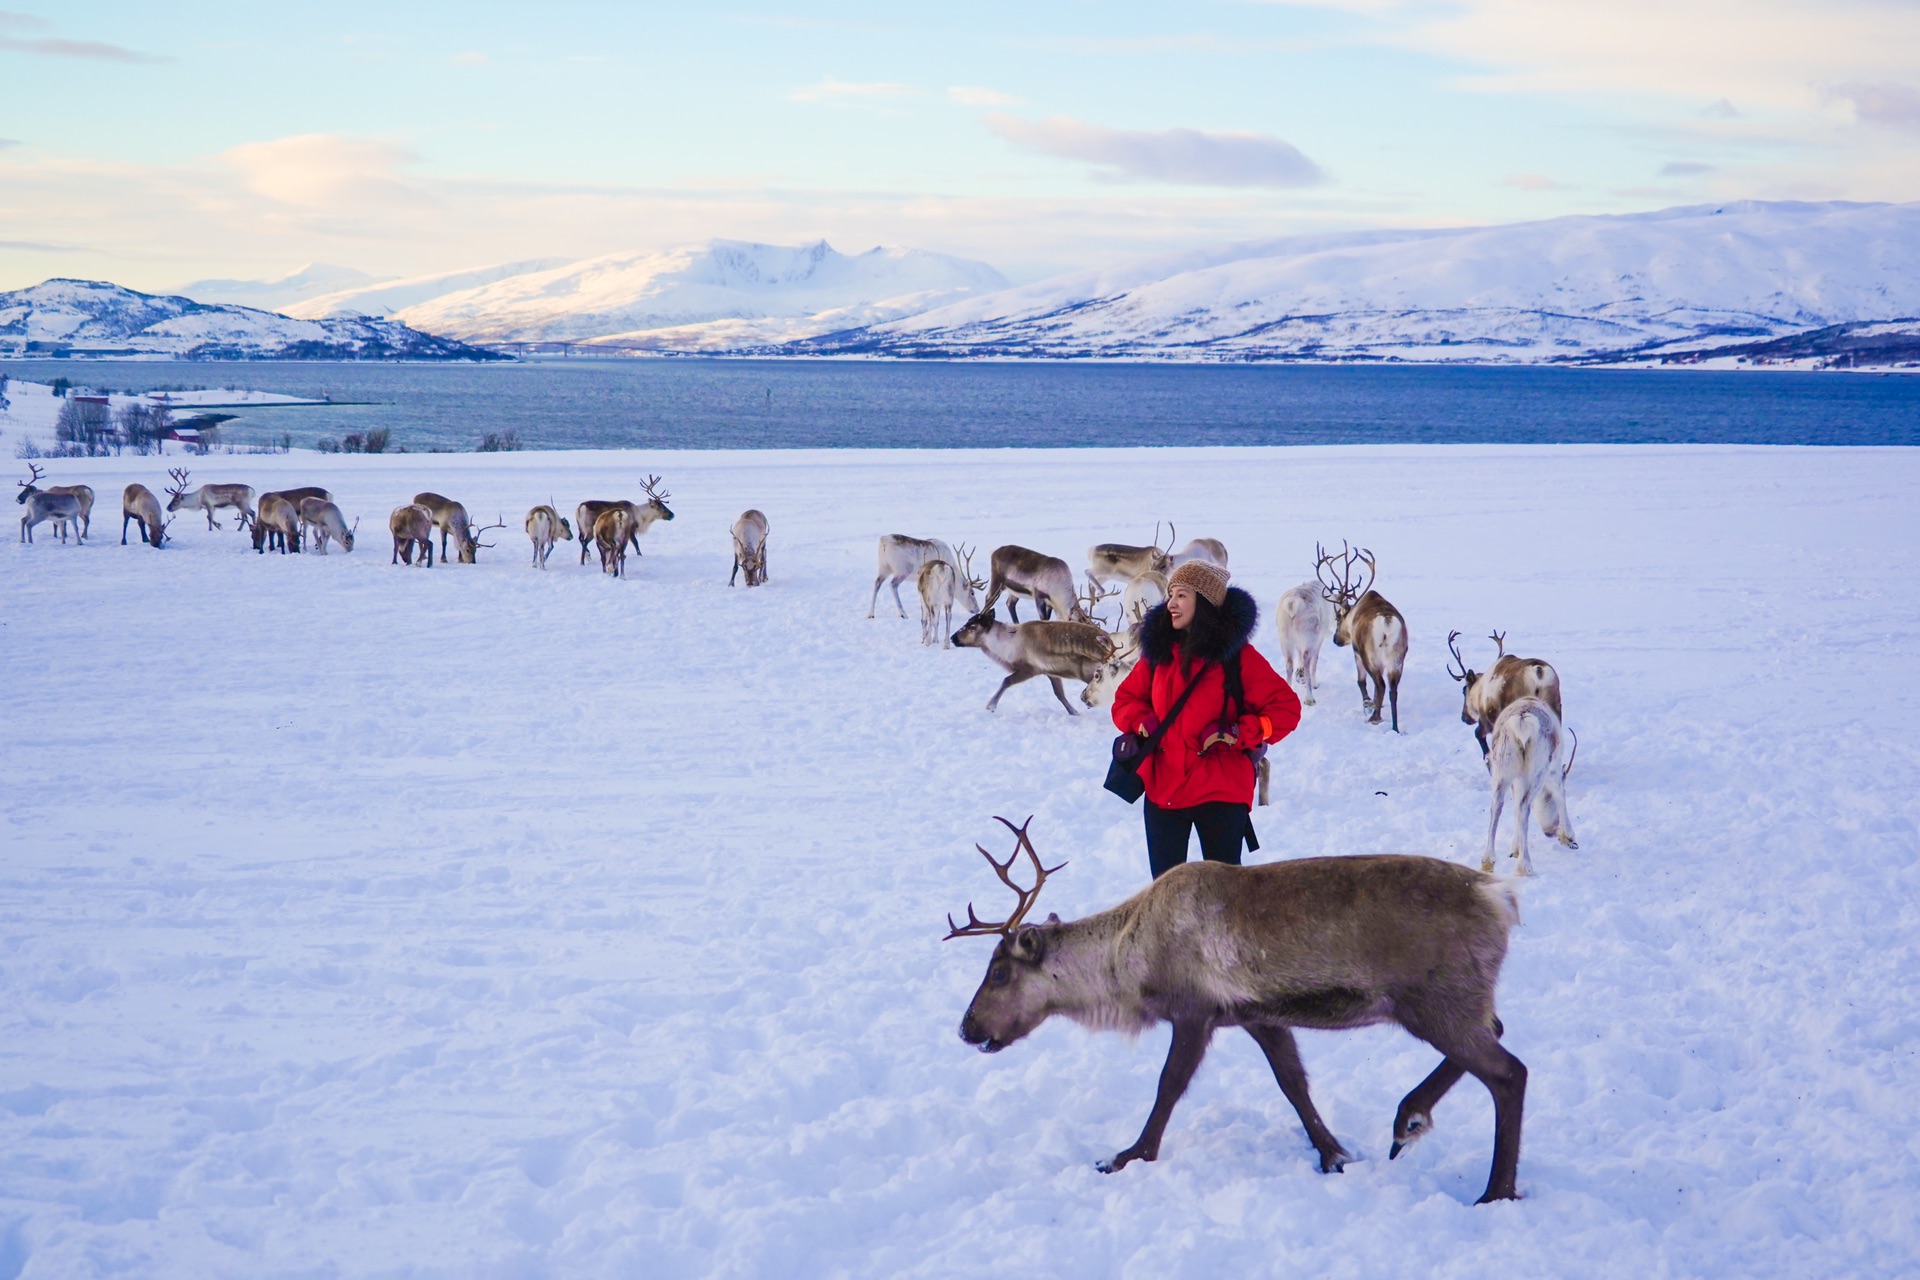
pixel 500 522
pixel 179 475
pixel 1499 639
pixel 1453 646
pixel 1362 555
pixel 966 567
pixel 37 476
pixel 975 926
pixel 651 485
pixel 1090 599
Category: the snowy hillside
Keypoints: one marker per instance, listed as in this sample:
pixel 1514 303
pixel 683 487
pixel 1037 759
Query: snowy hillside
pixel 1568 288
pixel 383 298
pixel 726 293
pixel 364 920
pixel 93 318
pixel 314 280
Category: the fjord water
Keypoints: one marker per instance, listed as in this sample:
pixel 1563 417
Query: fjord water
pixel 760 404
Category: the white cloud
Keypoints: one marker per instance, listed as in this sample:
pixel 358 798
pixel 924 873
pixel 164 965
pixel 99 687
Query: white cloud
pixel 471 58
pixel 1186 157
pixel 843 91
pixel 1890 104
pixel 324 170
pixel 974 96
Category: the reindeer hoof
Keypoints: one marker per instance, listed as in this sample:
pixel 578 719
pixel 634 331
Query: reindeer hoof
pixel 1122 1160
pixel 1569 842
pixel 1335 1161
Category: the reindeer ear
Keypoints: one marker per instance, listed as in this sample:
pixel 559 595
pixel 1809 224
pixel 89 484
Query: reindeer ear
pixel 1028 944
pixel 1053 917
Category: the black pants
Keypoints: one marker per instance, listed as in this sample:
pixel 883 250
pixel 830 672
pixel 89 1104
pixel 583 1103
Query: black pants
pixel 1224 828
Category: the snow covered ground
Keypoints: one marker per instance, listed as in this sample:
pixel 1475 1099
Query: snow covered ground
pixel 360 920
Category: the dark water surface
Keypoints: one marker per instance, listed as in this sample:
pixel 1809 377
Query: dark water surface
pixel 737 404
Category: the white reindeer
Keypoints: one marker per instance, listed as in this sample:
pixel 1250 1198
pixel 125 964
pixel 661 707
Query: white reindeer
pixel 1142 593
pixel 1530 757
pixel 750 547
pixel 941 587
pixel 546 526
pixel 1306 620
pixel 325 522
pixel 1212 550
pixel 900 558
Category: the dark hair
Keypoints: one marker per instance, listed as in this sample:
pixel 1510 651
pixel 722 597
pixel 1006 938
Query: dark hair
pixel 1206 637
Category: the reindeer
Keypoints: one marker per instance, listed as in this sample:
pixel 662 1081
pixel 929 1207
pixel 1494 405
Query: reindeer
pixel 1364 620
pixel 901 557
pixel 1305 619
pixel 276 525
pixel 1090 601
pixel 412 526
pixel 61 504
pixel 941 586
pixel 1531 756
pixel 210 498
pixel 546 526
pixel 612 532
pixel 451 519
pixel 326 521
pixel 1212 550
pixel 137 504
pixel 58 505
pixel 1119 562
pixel 1046 580
pixel 1051 649
pixel 1107 677
pixel 587 514
pixel 80 493
pixel 1484 695
pixel 1325 943
pixel 1141 594
pixel 750 547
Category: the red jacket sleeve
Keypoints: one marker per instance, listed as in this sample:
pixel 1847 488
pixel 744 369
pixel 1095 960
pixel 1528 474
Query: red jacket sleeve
pixel 1133 700
pixel 1272 707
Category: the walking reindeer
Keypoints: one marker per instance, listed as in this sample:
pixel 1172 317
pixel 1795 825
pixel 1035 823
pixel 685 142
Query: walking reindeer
pixel 1485 694
pixel 1324 943
pixel 1530 757
pixel 1364 620
pixel 1305 619
pixel 209 498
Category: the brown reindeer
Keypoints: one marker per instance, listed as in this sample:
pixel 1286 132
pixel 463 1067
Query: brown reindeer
pixel 612 534
pixel 587 515
pixel 209 498
pixel 1485 694
pixel 137 504
pixel 1364 620
pixel 276 525
pixel 412 527
pixel 750 547
pixel 451 519
pixel 1120 562
pixel 1325 943
pixel 63 504
pixel 1046 580
pixel 1074 650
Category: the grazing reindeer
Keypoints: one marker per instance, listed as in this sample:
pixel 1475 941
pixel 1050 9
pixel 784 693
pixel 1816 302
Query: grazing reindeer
pixel 1326 943
pixel 137 504
pixel 1212 550
pixel 611 534
pixel 1046 580
pixel 546 526
pixel 276 525
pixel 326 522
pixel 1374 628
pixel 80 493
pixel 451 519
pixel 1118 562
pixel 61 504
pixel 587 515
pixel 1142 594
pixel 210 498
pixel 58 505
pixel 1484 695
pixel 1090 601
pixel 1107 678
pixel 412 527
pixel 1532 755
pixel 901 557
pixel 1051 649
pixel 1305 619
pixel 941 587
pixel 750 547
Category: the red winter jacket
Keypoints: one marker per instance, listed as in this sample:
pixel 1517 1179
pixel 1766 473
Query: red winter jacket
pixel 1177 774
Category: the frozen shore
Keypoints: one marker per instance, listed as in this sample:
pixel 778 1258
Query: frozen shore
pixel 358 920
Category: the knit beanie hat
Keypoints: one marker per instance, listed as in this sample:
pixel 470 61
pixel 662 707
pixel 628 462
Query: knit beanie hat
pixel 1208 581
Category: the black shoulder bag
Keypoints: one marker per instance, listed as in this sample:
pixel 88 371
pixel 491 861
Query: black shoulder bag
pixel 1129 749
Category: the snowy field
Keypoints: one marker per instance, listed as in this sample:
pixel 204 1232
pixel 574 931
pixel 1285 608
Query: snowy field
pixel 365 921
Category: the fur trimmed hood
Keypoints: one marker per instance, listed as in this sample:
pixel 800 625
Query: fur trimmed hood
pixel 1157 636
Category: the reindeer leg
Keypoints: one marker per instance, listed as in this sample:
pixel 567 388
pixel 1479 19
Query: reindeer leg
pixel 1017 677
pixel 1415 1116
pixel 124 517
pixel 1522 819
pixel 896 597
pixel 1393 699
pixel 1476 1049
pixel 1493 824
pixel 1283 1055
pixel 1061 694
pixel 1183 1059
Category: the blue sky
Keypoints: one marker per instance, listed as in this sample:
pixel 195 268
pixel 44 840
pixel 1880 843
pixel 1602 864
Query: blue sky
pixel 153 144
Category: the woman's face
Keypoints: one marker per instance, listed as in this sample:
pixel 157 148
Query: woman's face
pixel 1180 606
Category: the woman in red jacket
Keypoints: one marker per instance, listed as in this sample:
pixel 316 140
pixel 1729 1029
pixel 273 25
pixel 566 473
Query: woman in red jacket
pixel 1201 774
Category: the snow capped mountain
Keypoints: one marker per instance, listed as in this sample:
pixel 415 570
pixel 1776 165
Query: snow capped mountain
pixel 90 317
pixel 313 280
pixel 1568 288
pixel 384 297
pixel 723 294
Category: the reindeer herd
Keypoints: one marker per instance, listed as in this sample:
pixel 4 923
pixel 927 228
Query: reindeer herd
pixel 1514 707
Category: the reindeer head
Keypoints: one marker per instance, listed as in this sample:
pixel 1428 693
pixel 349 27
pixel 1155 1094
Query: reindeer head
pixel 27 489
pixel 346 535
pixel 1014 997
pixel 657 498
pixel 969 584
pixel 1466 676
pixel 178 493
pixel 469 539
pixel 1340 592
pixel 974 634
